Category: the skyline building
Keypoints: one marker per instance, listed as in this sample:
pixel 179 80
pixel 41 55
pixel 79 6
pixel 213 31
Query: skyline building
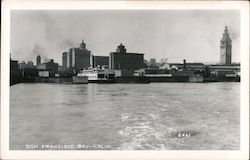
pixel 48 66
pixel 77 58
pixel 100 61
pixel 64 60
pixel 38 60
pixel 121 60
pixel 225 48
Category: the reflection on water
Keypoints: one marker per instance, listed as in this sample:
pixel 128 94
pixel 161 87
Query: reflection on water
pixel 126 116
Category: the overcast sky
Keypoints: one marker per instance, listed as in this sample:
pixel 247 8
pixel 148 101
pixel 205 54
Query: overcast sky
pixel 193 35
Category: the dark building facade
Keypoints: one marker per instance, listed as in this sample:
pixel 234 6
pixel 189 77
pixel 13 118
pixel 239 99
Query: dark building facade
pixel 100 61
pixel 64 60
pixel 77 58
pixel 49 66
pixel 121 60
pixel 38 60
pixel 15 74
pixel 82 58
pixel 225 48
pixel 13 65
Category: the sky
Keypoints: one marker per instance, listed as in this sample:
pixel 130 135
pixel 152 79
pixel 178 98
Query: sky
pixel 193 35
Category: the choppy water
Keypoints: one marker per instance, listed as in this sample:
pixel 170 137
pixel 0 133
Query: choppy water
pixel 126 116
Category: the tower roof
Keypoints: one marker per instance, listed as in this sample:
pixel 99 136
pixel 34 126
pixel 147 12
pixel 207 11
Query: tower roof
pixel 82 42
pixel 83 45
pixel 226 36
pixel 121 49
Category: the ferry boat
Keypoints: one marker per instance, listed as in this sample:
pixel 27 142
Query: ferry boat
pixel 98 75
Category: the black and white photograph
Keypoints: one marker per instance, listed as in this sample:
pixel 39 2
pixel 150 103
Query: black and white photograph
pixel 133 79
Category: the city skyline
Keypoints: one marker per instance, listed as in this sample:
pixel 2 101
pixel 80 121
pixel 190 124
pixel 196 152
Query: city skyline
pixel 193 35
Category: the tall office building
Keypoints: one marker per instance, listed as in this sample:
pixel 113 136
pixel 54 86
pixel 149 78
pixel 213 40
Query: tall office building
pixel 121 60
pixel 77 58
pixel 38 60
pixel 64 59
pixel 225 48
pixel 69 58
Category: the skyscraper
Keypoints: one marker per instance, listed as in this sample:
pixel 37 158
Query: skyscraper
pixel 225 48
pixel 77 58
pixel 38 60
pixel 64 60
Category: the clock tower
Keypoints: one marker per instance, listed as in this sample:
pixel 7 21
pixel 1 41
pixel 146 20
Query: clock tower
pixel 225 48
